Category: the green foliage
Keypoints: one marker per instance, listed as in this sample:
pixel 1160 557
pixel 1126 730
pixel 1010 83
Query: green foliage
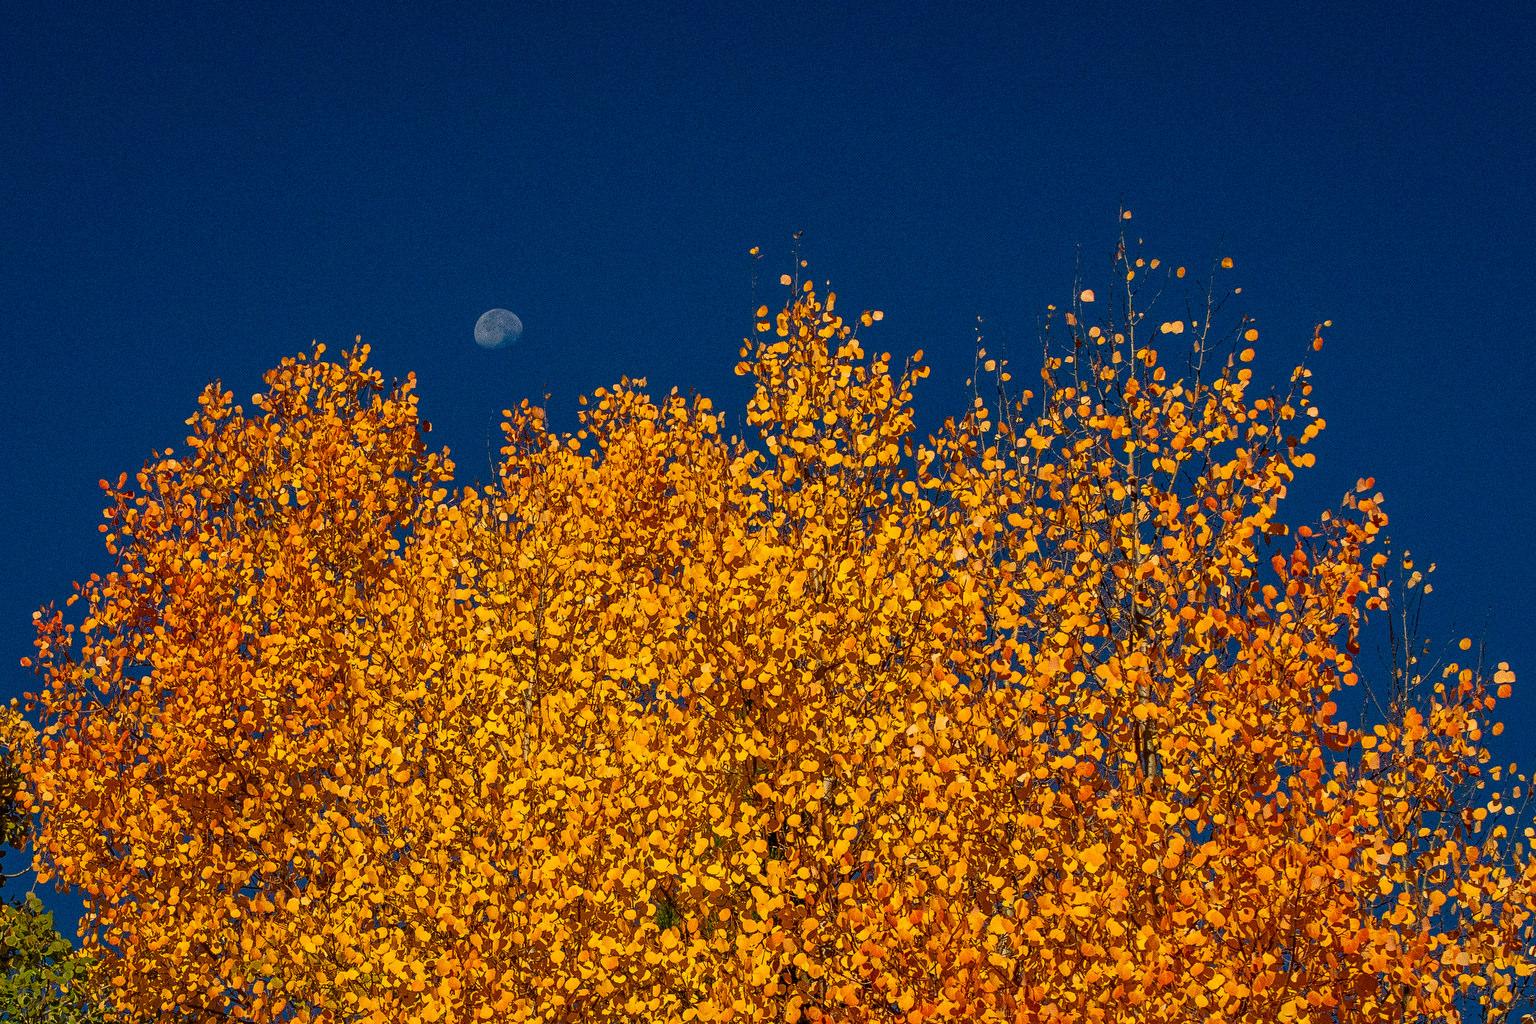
pixel 43 980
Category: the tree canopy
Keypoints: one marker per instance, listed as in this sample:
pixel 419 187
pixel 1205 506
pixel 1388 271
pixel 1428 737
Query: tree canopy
pixel 1049 716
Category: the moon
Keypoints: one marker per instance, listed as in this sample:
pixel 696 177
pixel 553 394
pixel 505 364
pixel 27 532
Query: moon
pixel 497 327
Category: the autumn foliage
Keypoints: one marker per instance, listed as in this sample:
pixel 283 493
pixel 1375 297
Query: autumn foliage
pixel 1052 716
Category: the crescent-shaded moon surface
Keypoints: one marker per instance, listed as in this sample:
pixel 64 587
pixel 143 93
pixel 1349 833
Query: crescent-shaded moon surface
pixel 497 327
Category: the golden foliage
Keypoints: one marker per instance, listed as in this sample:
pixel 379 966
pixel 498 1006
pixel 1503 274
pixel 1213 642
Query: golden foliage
pixel 1038 720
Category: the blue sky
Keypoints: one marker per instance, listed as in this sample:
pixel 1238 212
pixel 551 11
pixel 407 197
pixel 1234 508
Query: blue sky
pixel 194 191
